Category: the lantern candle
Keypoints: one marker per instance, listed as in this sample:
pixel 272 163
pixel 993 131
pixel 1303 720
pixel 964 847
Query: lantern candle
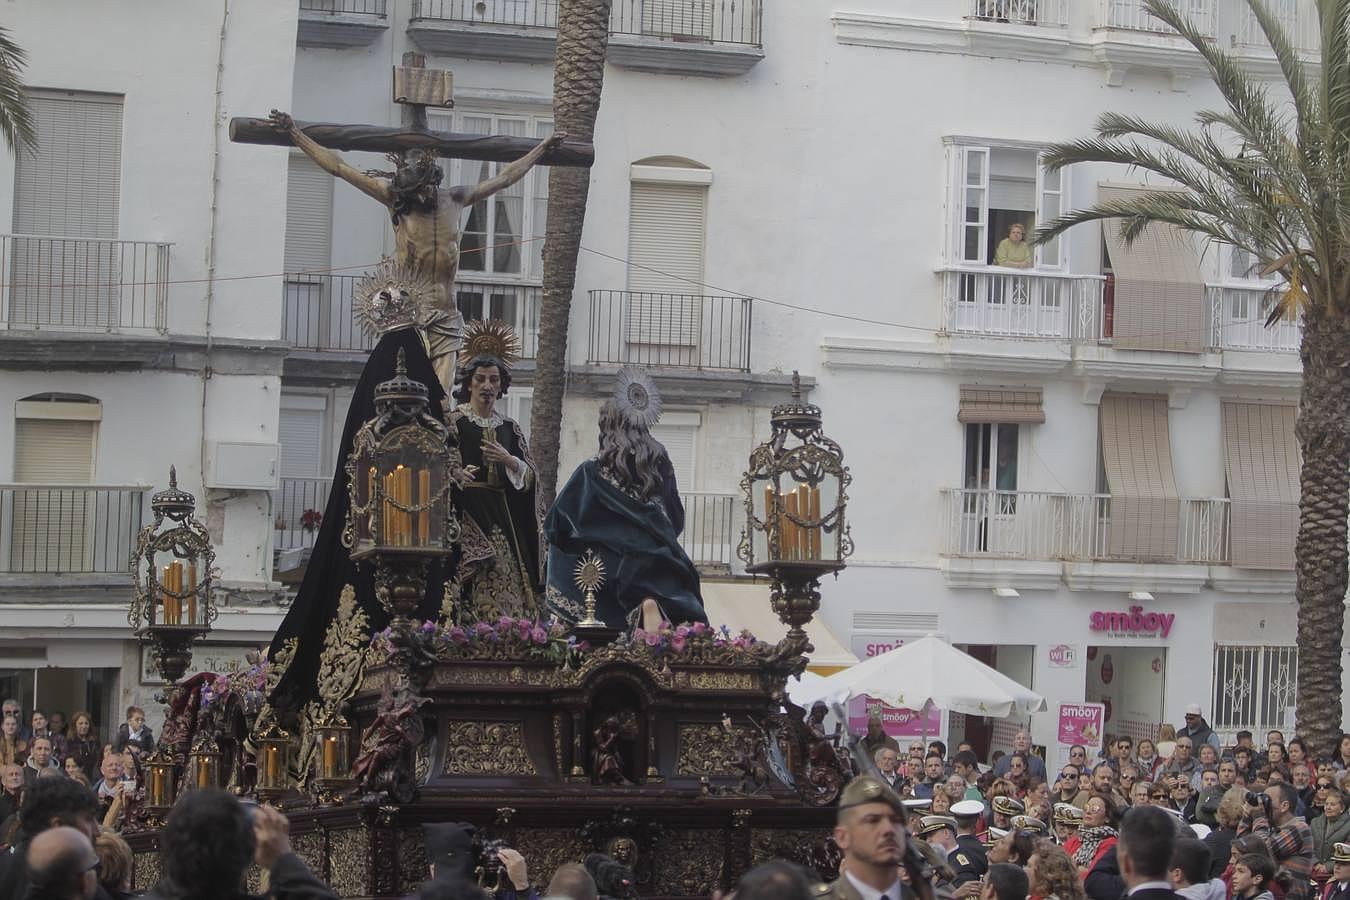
pixel 173 589
pixel 273 765
pixel 204 779
pixel 812 513
pixel 159 794
pixel 330 757
pixel 424 501
pixel 791 531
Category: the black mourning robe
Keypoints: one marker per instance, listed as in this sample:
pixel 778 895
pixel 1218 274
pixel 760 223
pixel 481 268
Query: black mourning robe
pixel 330 567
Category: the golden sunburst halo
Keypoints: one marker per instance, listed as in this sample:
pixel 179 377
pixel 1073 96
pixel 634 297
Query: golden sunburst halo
pixel 492 337
pixel 590 572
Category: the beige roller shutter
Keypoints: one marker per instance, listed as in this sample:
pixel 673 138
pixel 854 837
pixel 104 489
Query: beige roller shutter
pixel 981 405
pixel 70 188
pixel 301 433
pixel 1159 292
pixel 309 216
pixel 1143 516
pixel 678 439
pixel 1262 464
pixel 53 525
pixel 666 232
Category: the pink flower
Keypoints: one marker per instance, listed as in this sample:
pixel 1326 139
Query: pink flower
pixel 482 629
pixel 524 629
pixel 458 635
pixel 652 638
pixel 699 628
pixel 505 623
pixel 677 643
pixel 539 635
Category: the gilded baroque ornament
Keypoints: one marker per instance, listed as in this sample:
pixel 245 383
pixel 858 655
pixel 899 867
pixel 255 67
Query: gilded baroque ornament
pixel 341 665
pixel 486 748
pixel 710 749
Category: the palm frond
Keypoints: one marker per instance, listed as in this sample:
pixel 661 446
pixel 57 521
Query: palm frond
pixel 1305 99
pixel 16 121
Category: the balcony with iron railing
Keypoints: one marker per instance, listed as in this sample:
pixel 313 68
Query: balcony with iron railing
pixel 1043 525
pixel 1036 13
pixel 298 505
pixel 318 312
pixel 69 529
pixel 676 331
pixel 712 526
pixel 83 285
pixel 1001 302
pixel 341 23
pixel 688 37
pixel 1238 316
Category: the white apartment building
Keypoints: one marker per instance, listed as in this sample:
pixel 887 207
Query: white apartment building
pixel 1033 450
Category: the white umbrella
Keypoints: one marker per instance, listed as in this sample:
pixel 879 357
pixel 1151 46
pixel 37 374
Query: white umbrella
pixel 927 672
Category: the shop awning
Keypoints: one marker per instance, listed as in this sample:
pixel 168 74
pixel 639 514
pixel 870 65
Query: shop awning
pixel 1262 465
pixel 1144 513
pixel 1159 293
pixel 980 404
pixel 745 605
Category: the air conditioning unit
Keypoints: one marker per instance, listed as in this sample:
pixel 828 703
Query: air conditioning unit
pixel 236 465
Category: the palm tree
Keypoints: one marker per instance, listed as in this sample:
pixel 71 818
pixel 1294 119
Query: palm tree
pixel 1271 177
pixel 578 76
pixel 16 122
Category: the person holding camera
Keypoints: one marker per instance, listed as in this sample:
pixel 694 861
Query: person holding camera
pixel 1271 815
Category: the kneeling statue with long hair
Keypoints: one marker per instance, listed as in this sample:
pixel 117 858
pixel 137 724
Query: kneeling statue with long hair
pixel 625 506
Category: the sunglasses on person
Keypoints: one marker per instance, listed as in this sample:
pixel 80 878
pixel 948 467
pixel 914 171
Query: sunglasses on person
pixel 1323 785
pixel 1157 796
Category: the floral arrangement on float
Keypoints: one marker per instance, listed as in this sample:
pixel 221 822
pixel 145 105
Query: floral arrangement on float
pixel 520 638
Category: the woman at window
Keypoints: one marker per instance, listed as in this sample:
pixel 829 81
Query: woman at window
pixel 1014 251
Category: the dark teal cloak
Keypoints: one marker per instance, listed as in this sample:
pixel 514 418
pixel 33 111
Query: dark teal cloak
pixel 639 546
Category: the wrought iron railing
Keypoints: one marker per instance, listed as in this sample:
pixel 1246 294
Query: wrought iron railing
pixel 1054 13
pixel 1048 525
pixel 83 284
pixel 684 331
pixel 64 529
pixel 297 507
pixel 711 21
pixel 348 7
pixel 1133 15
pixel 318 312
pixel 1254 687
pixel 1238 320
pixel 1298 17
pixel 711 528
pixel 1004 302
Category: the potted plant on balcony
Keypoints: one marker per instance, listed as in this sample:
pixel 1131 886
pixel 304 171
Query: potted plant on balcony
pixel 310 520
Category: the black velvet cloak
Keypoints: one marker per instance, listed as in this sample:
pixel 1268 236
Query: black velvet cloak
pixel 330 567
pixel 637 541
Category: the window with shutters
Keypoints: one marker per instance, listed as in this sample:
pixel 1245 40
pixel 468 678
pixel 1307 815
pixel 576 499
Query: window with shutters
pixel 308 316
pixel 667 231
pixel 504 234
pixel 678 432
pixel 53 516
pixel 66 203
pixel 518 404
pixel 306 474
pixel 993 189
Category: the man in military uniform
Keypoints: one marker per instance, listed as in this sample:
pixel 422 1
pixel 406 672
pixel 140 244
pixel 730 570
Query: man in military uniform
pixel 1068 819
pixel 1004 808
pixel 967 858
pixel 937 838
pixel 870 831
pixel 1029 823
pixel 1338 888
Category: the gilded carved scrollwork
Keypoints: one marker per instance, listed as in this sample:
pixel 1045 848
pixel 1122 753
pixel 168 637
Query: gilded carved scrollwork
pixel 145 870
pixel 486 748
pixel 310 848
pixel 710 749
pixel 689 862
pixel 814 849
pixel 545 849
pixel 350 859
pixel 412 860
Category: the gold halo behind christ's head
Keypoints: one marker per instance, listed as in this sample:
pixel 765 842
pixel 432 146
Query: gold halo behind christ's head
pixel 492 338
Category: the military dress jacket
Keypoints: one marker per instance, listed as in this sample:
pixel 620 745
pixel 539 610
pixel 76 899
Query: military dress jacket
pixel 968 859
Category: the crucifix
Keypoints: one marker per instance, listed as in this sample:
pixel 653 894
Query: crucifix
pixel 425 215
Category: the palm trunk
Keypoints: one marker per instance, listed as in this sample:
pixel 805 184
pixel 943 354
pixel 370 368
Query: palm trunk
pixel 578 76
pixel 1321 552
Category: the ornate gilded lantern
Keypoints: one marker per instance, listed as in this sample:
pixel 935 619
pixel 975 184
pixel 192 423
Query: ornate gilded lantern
pixel 204 763
pixel 795 491
pixel 273 757
pixel 399 478
pixel 159 781
pixel 332 759
pixel 173 569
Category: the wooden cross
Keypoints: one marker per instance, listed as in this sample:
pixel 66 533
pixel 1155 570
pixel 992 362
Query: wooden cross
pixel 416 87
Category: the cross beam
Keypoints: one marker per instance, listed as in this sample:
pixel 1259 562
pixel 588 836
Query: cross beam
pixel 383 139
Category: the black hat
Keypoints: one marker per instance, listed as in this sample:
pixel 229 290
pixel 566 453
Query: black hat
pixel 450 847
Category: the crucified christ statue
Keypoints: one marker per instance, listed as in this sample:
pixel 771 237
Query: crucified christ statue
pixel 426 219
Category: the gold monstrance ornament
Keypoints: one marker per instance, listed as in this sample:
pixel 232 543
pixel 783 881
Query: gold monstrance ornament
pixel 590 576
pixel 491 338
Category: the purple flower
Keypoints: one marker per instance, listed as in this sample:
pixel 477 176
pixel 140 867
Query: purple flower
pixel 482 629
pixel 524 629
pixel 428 626
pixel 699 628
pixel 652 638
pixel 505 623
pixel 726 632
pixel 458 635
pixel 540 635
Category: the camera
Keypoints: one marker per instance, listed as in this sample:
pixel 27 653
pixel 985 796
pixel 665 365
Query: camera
pixel 488 867
pixel 1253 798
